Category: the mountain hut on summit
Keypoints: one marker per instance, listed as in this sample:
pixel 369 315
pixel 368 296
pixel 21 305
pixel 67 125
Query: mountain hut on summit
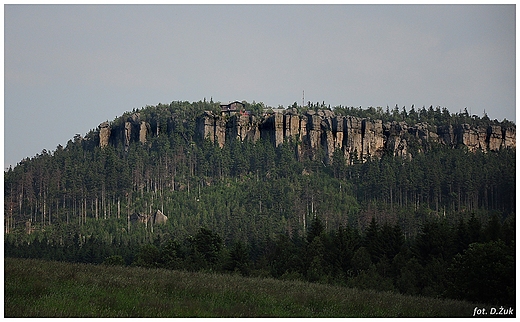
pixel 232 108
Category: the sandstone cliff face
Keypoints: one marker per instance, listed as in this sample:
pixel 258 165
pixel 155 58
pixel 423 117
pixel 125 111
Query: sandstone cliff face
pixel 272 128
pixel 494 134
pixel 446 135
pixel 144 129
pixel 104 134
pixel 469 137
pixel 206 126
pixel 373 140
pixel 242 127
pixel 395 141
pixel 508 137
pixel 133 129
pixel 355 138
pixel 293 127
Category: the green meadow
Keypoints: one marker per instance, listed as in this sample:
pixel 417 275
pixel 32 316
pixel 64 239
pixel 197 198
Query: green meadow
pixel 37 288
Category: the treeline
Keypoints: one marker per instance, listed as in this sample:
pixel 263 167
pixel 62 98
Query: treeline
pixel 470 261
pixel 437 116
pixel 253 180
pixel 433 116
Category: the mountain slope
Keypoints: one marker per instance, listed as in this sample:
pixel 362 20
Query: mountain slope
pixel 283 208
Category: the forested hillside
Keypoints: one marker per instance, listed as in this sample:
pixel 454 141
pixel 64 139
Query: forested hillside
pixel 413 222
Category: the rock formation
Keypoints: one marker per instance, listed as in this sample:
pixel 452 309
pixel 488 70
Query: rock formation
pixel 508 137
pixel 144 129
pixel 104 134
pixel 133 129
pixel 355 138
pixel 373 140
pixel 494 137
pixel 395 141
pixel 159 218
pixel 242 127
pixel 272 128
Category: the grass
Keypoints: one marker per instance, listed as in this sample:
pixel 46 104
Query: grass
pixel 36 288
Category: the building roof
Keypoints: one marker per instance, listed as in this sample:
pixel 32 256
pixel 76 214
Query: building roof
pixel 228 105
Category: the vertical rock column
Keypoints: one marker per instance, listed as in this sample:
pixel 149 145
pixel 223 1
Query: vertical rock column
pixel 272 128
pixel 104 134
pixel 278 128
pixel 220 131
pixel 248 128
pixel 292 127
pixel 494 137
pixel 313 130
pixel 144 128
pixel 395 141
pixel 206 126
pixel 338 126
pixel 509 137
pixel 327 139
pixel 482 138
pixel 373 140
pixel 353 137
pixel 127 135
pixel 467 136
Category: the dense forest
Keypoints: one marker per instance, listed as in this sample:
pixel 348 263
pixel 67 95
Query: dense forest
pixel 439 224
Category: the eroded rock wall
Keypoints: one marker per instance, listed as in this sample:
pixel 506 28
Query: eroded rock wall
pixel 355 138
pixel 104 134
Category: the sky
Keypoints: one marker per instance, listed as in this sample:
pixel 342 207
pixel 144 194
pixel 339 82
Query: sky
pixel 68 68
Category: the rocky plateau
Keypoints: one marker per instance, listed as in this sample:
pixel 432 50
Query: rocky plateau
pixel 356 138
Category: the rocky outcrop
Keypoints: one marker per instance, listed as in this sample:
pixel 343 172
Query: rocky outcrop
pixel 159 218
pixel 104 134
pixel 137 217
pixel 205 126
pixel 373 140
pixel 469 136
pixel 395 138
pixel 446 135
pixel 357 139
pixel 508 137
pixel 272 128
pixel 494 137
pixel 293 126
pixel 144 129
pixel 242 127
pixel 133 129
pixel 353 145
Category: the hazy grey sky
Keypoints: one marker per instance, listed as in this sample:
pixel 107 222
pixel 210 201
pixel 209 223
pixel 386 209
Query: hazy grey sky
pixel 67 68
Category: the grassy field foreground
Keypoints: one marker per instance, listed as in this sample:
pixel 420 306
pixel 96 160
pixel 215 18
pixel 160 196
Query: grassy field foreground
pixel 36 288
